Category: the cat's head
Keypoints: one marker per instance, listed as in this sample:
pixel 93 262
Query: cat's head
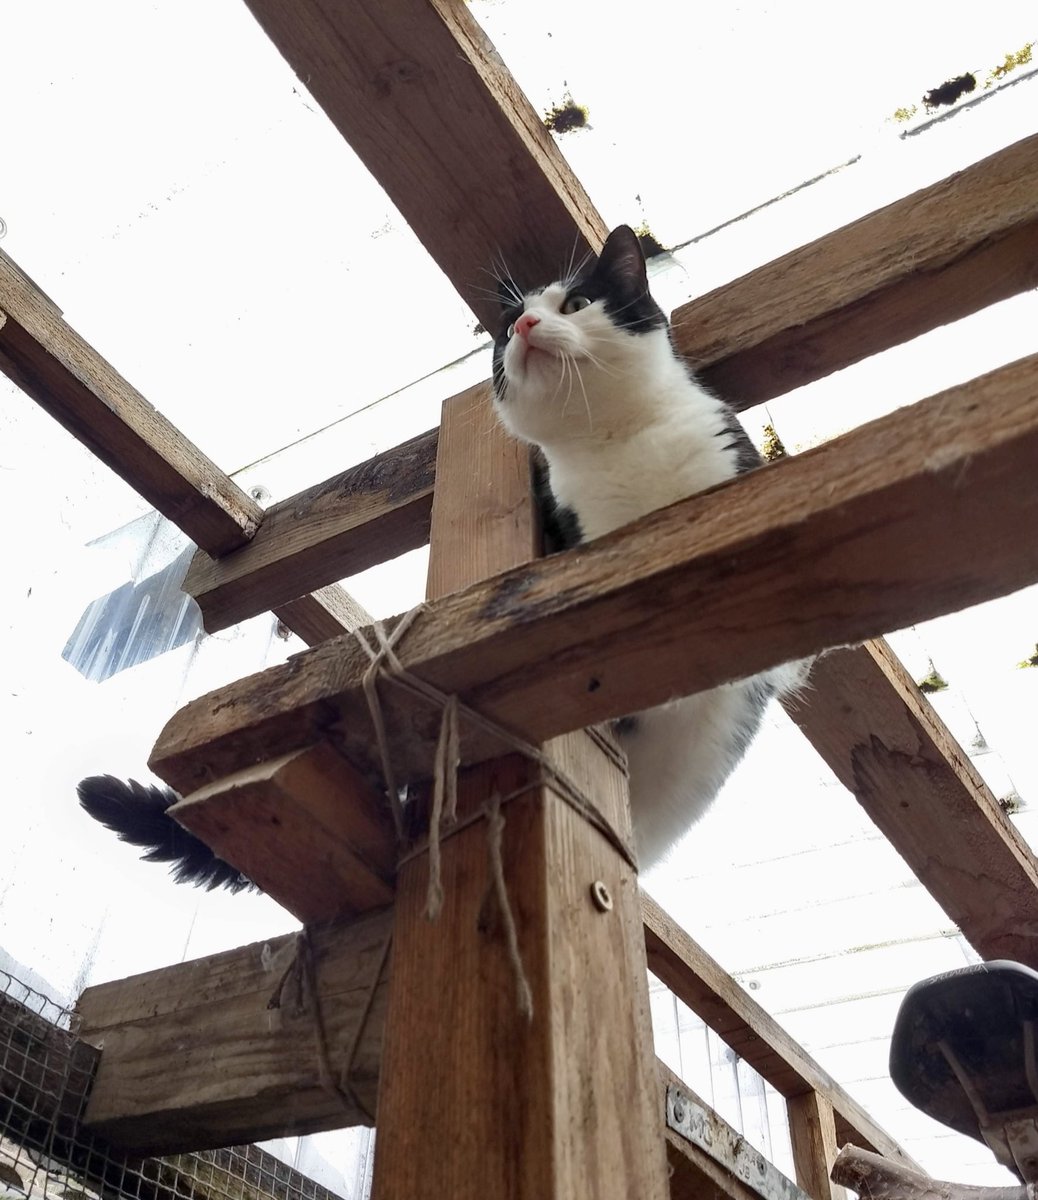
pixel 568 355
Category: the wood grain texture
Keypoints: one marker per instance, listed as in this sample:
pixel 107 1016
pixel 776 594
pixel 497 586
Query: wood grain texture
pixel 812 1132
pixel 306 828
pixel 861 535
pixel 933 257
pixel 51 363
pixel 424 100
pixel 700 982
pixel 524 1108
pixel 329 612
pixel 887 745
pixel 366 515
pixel 194 1056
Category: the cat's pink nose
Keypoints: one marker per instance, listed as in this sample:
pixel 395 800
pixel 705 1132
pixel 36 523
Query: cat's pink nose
pixel 525 323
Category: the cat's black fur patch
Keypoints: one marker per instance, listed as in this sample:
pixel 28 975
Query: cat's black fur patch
pixel 559 524
pixel 747 456
pixel 137 813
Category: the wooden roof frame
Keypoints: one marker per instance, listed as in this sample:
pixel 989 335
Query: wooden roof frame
pixel 935 256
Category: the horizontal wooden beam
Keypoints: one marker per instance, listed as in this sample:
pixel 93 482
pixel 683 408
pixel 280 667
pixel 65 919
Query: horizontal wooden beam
pixel 700 982
pixel 51 363
pixel 936 256
pixel 907 517
pixel 268 1082
pixel 366 515
pixel 424 100
pixel 224 1049
pixel 887 745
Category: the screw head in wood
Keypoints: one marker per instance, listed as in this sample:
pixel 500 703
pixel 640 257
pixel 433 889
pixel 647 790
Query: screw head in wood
pixel 601 896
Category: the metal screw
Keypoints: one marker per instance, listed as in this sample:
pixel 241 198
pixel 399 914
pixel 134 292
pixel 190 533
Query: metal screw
pixel 601 896
pixel 679 1109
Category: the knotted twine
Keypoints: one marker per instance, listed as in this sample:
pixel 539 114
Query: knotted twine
pixel 384 664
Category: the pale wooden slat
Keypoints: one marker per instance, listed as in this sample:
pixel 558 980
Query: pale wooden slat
pixel 938 255
pixel 888 746
pixel 423 99
pixel 700 982
pixel 369 513
pixel 67 377
pixel 850 539
pixel 812 1132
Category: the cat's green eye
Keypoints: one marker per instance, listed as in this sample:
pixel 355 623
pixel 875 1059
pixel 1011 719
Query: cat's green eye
pixel 510 330
pixel 574 304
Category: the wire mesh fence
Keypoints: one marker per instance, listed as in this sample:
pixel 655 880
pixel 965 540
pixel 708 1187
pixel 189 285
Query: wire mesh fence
pixel 45 1152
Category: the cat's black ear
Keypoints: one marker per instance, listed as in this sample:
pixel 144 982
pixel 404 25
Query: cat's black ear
pixel 622 262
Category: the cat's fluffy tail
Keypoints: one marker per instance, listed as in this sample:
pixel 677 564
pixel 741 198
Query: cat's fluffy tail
pixel 137 813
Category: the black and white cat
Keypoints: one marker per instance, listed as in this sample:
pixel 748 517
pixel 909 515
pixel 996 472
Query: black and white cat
pixel 583 369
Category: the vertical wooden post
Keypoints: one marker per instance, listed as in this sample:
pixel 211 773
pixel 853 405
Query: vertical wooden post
pixel 477 1101
pixel 812 1130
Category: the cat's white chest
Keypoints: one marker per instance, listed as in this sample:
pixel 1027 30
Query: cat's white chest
pixel 617 480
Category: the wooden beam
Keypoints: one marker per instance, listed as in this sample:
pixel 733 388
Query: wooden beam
pixel 366 515
pixel 887 745
pixel 424 100
pixel 935 256
pixel 329 612
pixel 812 1132
pixel 515 1110
pixel 710 992
pixel 866 533
pixel 304 827
pixel 216 1009
pixel 215 1052
pixel 51 363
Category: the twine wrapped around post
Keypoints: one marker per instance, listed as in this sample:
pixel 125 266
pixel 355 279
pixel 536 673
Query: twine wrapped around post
pixel 386 665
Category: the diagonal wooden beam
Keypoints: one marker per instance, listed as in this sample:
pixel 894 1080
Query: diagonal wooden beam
pixel 423 98
pixel 713 995
pixel 940 254
pixel 887 745
pixel 852 538
pixel 363 516
pixel 67 377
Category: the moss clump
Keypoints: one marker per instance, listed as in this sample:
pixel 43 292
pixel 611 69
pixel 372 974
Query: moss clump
pixel 771 445
pixel 567 116
pixel 934 682
pixel 950 91
pixel 1030 662
pixel 650 244
pixel 904 114
pixel 1021 58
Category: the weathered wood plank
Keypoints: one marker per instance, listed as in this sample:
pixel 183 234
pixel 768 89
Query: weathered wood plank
pixel 514 1112
pixel 855 537
pixel 306 828
pixel 195 1056
pixel 366 515
pixel 812 1132
pixel 935 256
pixel 424 100
pixel 887 745
pixel 329 612
pixel 215 1009
pixel 51 363
pixel 700 982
